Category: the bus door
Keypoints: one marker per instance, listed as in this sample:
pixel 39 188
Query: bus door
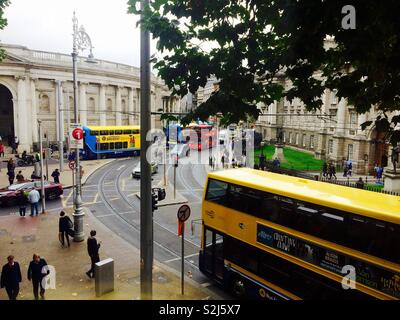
pixel 214 254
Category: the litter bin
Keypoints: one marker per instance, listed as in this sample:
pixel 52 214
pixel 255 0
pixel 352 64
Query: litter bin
pixel 104 277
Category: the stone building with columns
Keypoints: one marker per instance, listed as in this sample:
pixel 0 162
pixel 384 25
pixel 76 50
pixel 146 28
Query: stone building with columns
pixel 332 133
pixel 37 85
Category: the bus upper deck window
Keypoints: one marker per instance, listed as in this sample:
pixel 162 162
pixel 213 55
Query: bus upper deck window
pixel 118 131
pixel 104 132
pixel 94 133
pixel 112 132
pixel 127 131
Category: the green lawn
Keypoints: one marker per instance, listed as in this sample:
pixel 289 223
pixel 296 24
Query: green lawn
pixel 374 187
pixel 296 160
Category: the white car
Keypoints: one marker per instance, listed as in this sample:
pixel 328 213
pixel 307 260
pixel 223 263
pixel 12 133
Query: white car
pixel 136 170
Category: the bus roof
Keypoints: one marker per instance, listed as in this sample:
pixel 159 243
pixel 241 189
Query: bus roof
pixel 112 127
pixel 368 203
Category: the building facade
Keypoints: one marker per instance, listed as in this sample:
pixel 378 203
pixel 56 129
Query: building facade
pixel 332 133
pixel 37 85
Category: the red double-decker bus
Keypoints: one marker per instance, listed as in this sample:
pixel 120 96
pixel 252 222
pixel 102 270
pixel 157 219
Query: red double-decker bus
pixel 207 136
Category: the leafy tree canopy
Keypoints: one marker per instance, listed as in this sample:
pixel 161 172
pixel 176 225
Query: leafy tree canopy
pixel 247 44
pixel 3 21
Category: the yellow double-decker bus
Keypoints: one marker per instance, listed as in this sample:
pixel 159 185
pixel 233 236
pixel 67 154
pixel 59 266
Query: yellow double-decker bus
pixel 110 141
pixel 271 236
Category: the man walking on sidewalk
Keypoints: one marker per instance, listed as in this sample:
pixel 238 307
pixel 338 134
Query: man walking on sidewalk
pixel 37 270
pixel 34 198
pixel 56 176
pixel 11 277
pixel 93 251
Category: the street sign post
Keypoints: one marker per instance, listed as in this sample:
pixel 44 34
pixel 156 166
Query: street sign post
pixel 183 216
pixel 76 136
pixel 72 165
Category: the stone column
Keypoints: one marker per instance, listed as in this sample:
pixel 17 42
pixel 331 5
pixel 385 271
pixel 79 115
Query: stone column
pixel 22 134
pixel 83 104
pixel 131 106
pixel 102 105
pixel 341 118
pixel 118 107
pixel 34 111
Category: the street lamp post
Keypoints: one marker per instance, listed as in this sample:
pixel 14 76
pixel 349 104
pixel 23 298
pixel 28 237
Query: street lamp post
pixel 41 168
pixel 146 200
pixel 81 41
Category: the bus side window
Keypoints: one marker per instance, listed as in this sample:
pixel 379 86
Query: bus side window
pixel 112 145
pixel 356 233
pixel 376 236
pixel 217 192
pixel 104 146
pixel 333 226
pixel 269 208
pixel 287 211
pixel 104 132
pixel 392 243
pixel 306 215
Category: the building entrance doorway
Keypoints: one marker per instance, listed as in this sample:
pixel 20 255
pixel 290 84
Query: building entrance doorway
pixel 381 149
pixel 6 115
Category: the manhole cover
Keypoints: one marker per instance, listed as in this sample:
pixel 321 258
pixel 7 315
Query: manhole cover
pixel 29 239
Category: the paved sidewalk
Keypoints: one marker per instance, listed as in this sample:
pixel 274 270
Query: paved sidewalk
pixel 24 236
pixel 66 176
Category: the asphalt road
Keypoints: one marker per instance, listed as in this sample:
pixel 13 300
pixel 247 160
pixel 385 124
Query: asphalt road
pixel 111 195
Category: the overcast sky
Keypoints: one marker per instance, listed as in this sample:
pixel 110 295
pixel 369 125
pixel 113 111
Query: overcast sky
pixel 47 25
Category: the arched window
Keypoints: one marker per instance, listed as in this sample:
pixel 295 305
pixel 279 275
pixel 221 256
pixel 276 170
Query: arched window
pixel 44 103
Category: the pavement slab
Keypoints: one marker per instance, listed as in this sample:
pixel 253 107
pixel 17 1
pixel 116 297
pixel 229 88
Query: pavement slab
pixel 22 237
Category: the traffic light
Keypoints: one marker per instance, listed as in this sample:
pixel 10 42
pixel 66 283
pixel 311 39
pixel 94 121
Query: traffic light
pixel 154 202
pixel 158 194
pixel 161 194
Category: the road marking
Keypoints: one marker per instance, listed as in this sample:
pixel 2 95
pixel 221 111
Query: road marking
pixel 206 284
pixel 105 215
pixel 64 201
pixel 123 166
pixel 186 257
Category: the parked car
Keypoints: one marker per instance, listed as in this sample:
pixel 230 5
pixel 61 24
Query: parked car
pixel 8 196
pixel 136 170
pixel 180 150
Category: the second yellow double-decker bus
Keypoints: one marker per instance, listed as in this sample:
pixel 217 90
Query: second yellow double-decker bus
pixel 272 236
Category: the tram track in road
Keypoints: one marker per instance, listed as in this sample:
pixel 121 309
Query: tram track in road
pixel 162 235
